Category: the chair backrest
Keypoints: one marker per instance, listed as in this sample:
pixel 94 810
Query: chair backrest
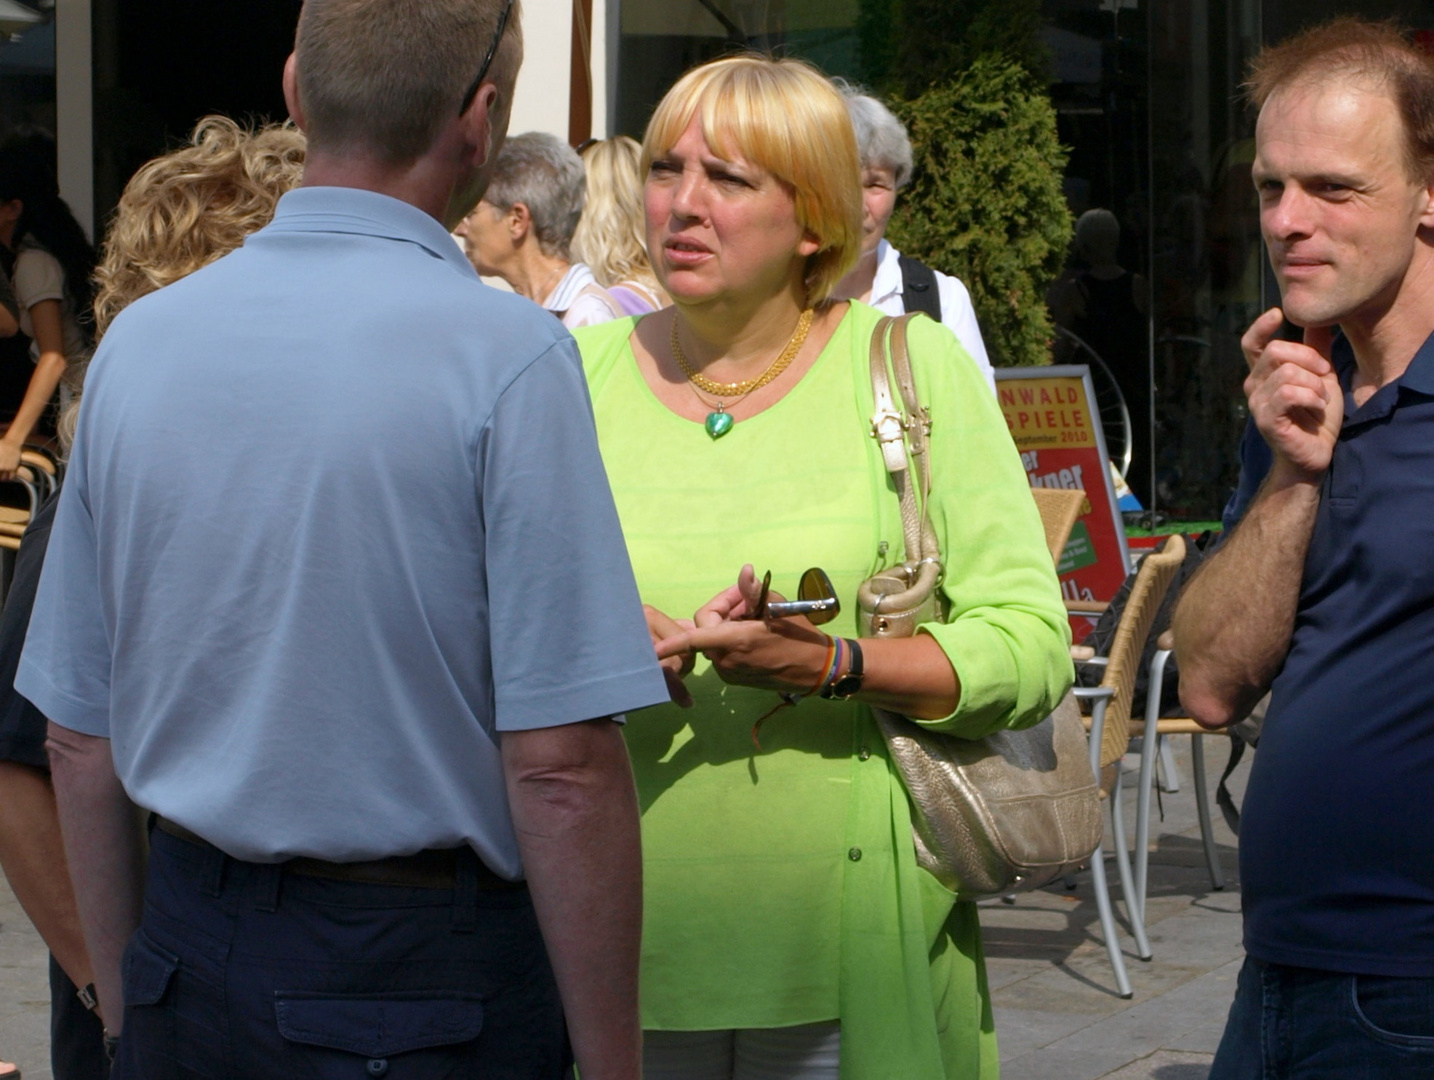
pixel 1157 573
pixel 1059 507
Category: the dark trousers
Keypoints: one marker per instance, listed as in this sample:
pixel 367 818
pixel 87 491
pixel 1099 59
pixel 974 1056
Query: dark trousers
pixel 1297 1024
pixel 241 970
pixel 77 1038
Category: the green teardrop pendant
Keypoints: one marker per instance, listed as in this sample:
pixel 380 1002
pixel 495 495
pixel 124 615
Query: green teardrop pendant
pixel 718 424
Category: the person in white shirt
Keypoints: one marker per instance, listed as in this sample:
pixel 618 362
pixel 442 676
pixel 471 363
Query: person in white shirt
pixel 883 277
pixel 522 230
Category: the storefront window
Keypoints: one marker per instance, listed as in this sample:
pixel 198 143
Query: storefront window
pixel 27 69
pixel 1171 270
pixel 660 39
pixel 1148 101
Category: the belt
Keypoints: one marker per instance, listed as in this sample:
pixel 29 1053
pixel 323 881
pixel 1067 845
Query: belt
pixel 433 868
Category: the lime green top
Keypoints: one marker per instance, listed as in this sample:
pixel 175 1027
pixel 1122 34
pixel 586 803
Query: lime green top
pixel 780 883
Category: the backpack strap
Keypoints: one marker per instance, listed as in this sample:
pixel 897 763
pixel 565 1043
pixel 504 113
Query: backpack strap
pixel 918 287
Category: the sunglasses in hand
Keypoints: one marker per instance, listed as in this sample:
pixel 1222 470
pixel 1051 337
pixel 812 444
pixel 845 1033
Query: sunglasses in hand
pixel 816 599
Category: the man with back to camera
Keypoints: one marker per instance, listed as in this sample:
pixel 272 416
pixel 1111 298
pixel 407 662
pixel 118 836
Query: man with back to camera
pixel 337 592
pixel 1324 593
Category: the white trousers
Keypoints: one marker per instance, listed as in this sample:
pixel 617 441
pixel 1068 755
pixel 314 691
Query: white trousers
pixel 806 1052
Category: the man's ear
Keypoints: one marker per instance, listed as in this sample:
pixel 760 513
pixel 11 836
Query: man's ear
pixel 478 125
pixel 1426 209
pixel 291 92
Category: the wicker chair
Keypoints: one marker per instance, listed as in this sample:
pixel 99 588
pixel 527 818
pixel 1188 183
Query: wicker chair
pixel 1110 732
pixel 1060 509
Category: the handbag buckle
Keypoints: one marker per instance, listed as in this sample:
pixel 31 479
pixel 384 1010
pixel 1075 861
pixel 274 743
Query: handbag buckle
pixel 888 426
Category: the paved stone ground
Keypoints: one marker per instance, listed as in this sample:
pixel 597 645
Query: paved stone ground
pixel 1058 1016
pixel 1057 1013
pixel 24 991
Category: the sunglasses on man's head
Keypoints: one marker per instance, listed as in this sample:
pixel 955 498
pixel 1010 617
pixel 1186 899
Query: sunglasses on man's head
pixel 487 59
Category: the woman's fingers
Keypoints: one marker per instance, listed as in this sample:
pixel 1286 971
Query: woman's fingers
pixel 748 585
pixel 678 645
pixel 727 604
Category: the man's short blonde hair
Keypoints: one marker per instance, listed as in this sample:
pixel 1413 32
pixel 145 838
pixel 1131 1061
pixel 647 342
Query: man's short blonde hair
pixel 383 76
pixel 787 118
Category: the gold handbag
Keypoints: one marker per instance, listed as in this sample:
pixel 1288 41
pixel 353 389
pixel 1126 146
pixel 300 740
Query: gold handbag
pixel 1005 813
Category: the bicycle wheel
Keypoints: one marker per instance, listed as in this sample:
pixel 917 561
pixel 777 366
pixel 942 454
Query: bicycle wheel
pixel 1109 401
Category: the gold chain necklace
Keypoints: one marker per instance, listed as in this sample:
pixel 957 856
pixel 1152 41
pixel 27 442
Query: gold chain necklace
pixel 720 421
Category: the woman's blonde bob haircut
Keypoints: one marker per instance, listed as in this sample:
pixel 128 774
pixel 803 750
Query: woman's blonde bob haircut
pixel 785 117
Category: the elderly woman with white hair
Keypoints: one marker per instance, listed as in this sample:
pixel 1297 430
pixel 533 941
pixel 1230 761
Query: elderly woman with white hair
pixel 522 230
pixel 884 278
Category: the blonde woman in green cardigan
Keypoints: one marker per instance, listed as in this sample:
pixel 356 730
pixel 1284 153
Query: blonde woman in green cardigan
pixel 788 930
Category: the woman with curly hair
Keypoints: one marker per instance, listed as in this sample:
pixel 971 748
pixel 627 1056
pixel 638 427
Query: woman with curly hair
pixel 178 213
pixel 611 236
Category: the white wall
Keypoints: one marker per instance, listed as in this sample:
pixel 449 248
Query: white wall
pixel 602 104
pixel 74 107
pixel 540 102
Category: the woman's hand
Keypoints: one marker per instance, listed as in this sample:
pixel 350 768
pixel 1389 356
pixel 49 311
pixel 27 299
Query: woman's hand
pixel 675 666
pixel 9 460
pixel 47 320
pixel 771 654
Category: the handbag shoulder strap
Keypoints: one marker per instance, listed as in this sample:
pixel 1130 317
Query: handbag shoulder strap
pixel 903 433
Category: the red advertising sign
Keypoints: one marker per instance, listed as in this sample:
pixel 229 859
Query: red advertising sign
pixel 1062 445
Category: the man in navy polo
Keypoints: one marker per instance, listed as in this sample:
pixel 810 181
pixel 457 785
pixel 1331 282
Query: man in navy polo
pixel 1324 594
pixel 338 594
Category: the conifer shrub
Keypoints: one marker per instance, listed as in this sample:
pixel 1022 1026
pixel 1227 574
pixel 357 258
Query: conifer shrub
pixel 985 202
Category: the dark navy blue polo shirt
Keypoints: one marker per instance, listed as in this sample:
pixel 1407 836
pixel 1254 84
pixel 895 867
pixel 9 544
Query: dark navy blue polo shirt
pixel 1337 836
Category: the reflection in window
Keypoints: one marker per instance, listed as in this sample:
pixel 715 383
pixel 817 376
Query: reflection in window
pixel 663 38
pixel 1148 100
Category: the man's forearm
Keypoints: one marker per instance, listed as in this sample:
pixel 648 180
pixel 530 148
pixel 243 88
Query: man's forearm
pixel 1235 618
pixel 576 817
pixel 104 845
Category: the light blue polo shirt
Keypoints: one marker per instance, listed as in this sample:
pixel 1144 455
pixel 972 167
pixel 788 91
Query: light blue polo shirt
pixel 335 517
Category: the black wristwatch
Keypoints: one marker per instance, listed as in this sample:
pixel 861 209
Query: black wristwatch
pixel 846 685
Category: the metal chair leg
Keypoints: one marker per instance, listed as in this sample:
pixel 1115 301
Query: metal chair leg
pixel 1133 905
pixel 1148 751
pixel 1097 860
pixel 1202 807
pixel 1107 922
pixel 1169 774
